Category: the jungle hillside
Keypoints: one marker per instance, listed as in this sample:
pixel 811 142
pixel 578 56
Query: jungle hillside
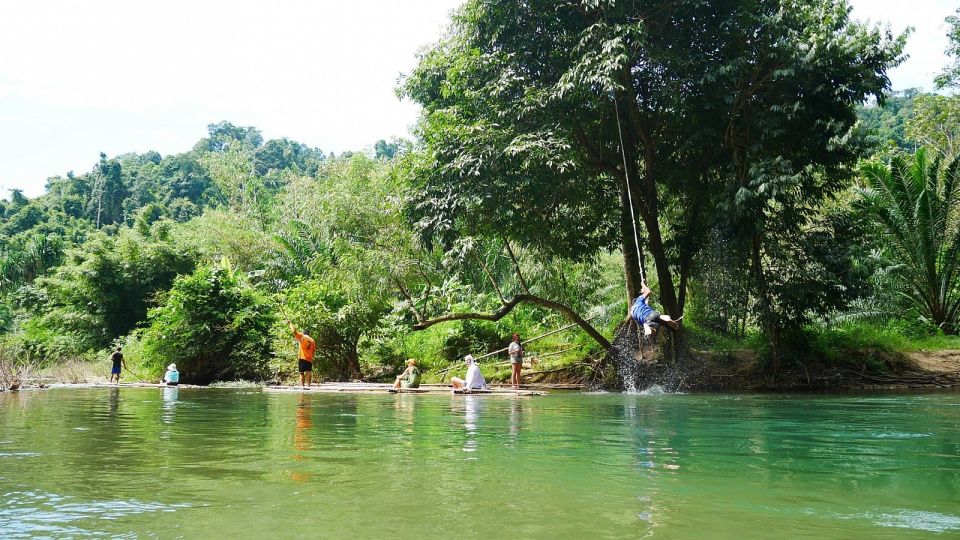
pixel 749 161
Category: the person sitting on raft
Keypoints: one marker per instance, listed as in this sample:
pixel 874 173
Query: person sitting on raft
pixel 646 316
pixel 474 380
pixel 410 378
pixel 171 377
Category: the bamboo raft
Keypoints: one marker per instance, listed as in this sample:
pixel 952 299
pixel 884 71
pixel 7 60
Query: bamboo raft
pixel 120 385
pixel 375 388
pixel 347 387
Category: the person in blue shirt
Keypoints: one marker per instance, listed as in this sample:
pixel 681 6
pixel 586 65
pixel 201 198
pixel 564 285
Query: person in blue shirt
pixel 646 316
pixel 171 377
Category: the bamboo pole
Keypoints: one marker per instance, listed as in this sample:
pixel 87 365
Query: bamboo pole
pixel 552 332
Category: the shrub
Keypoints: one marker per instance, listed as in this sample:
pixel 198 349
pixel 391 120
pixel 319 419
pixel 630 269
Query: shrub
pixel 337 316
pixel 213 327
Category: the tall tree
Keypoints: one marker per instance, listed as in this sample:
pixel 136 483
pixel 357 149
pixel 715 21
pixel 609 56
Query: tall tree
pixel 950 76
pixel 224 135
pixel 935 123
pixel 544 119
pixel 105 205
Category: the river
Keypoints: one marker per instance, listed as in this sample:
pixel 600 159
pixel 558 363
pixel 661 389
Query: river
pixel 240 463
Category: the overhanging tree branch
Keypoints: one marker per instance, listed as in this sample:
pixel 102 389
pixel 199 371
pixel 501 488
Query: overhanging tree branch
pixel 506 308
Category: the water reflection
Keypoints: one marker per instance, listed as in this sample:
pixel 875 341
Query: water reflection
pixel 114 401
pixel 516 418
pixel 472 407
pixel 403 407
pixel 171 395
pixel 301 435
pixel 591 466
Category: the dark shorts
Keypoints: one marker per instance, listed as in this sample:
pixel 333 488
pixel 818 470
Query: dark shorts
pixel 115 370
pixel 304 366
pixel 653 319
pixel 172 383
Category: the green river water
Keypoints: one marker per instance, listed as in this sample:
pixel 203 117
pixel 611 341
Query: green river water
pixel 240 463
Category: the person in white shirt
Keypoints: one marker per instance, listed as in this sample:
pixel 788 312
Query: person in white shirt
pixel 515 350
pixel 474 380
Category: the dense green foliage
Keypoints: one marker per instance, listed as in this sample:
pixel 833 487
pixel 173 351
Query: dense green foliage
pixel 915 206
pixel 213 326
pixel 103 289
pixel 950 77
pixel 734 118
pixel 738 129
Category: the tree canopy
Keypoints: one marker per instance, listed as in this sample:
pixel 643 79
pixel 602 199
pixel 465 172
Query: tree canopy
pixel 732 115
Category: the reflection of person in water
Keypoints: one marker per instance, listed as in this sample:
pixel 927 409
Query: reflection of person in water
pixel 471 413
pixel 114 401
pixel 515 417
pixel 170 396
pixel 301 435
pixel 403 409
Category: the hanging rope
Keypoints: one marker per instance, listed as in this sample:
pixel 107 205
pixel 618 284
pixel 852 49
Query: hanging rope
pixel 626 176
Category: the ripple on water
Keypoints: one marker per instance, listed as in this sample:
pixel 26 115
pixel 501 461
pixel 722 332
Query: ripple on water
pixel 902 435
pixel 31 513
pixel 918 520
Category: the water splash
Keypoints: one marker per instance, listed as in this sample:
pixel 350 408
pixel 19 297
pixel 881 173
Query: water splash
pixel 655 390
pixel 647 374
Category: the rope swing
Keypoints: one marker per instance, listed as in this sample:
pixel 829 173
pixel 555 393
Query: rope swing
pixel 626 176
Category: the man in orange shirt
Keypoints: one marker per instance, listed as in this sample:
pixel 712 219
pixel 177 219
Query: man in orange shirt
pixel 305 362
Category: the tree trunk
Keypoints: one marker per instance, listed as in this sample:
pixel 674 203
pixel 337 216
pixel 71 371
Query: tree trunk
pixel 353 364
pixel 770 327
pixel 668 293
pixel 644 194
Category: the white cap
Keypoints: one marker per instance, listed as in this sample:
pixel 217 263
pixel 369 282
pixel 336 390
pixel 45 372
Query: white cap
pixel 172 367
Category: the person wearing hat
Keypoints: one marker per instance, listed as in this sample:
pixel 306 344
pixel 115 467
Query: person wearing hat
pixel 475 380
pixel 171 377
pixel 410 378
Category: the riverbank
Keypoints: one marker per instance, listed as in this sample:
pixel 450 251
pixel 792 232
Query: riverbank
pixel 744 371
pixel 736 370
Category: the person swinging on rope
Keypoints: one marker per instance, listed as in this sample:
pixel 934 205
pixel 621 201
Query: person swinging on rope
pixel 648 318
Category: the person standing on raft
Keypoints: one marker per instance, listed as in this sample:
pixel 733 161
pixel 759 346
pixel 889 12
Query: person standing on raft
pixel 647 317
pixel 305 357
pixel 474 380
pixel 117 359
pixel 515 350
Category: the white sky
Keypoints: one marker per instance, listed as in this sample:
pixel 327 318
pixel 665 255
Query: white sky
pixel 80 77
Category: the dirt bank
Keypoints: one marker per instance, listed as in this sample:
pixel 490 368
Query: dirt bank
pixel 742 371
